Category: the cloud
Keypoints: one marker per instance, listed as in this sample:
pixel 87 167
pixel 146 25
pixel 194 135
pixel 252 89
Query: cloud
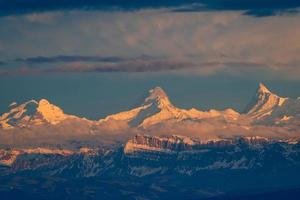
pixel 205 43
pixel 15 7
pixel 99 64
pixel 139 64
pixel 72 133
pixel 253 8
pixel 154 65
pixel 75 63
pixel 68 58
pixel 20 71
pixel 271 12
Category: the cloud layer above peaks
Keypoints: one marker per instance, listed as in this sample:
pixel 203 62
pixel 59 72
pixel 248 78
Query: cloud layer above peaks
pixel 150 40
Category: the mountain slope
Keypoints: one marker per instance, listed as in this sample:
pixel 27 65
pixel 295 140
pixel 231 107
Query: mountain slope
pixel 268 107
pixel 157 108
pixel 264 103
pixel 33 113
pixel 269 114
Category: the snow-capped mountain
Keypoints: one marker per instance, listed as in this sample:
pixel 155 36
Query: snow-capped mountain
pixel 33 113
pixel 268 114
pixel 264 103
pixel 157 108
pixel 50 154
pixel 267 107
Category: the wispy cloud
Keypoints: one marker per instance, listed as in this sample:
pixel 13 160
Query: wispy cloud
pixel 144 63
pixel 63 64
pixel 68 58
pixel 183 66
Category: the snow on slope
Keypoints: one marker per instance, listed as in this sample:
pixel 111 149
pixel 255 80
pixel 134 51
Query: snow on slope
pixel 264 103
pixel 269 108
pixel 157 111
pixel 157 143
pixel 176 143
pixel 33 113
pixel 157 108
pixel 8 157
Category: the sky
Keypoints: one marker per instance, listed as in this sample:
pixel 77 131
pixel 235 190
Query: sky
pixel 97 57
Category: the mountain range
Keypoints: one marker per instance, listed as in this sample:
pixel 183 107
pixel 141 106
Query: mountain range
pixel 267 114
pixel 154 151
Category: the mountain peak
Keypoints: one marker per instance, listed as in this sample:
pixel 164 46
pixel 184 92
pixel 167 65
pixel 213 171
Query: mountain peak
pixel 262 88
pixel 159 96
pixel 32 112
pixel 157 92
pixel 19 115
pixel 43 102
pixel 50 112
pixel 264 103
pixel 13 104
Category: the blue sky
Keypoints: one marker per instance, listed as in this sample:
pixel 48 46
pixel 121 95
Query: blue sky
pixel 83 54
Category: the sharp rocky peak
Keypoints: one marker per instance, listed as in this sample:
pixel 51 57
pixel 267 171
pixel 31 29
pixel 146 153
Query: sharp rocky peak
pixel 263 92
pixel 158 96
pixel 264 103
pixel 263 89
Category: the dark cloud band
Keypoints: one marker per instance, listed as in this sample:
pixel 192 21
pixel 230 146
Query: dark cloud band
pixel 73 58
pixel 251 7
pixel 98 64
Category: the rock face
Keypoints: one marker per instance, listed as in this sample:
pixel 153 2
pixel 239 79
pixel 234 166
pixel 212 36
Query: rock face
pixel 31 158
pixel 157 165
pixel 143 147
pixel 176 143
pixel 153 143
